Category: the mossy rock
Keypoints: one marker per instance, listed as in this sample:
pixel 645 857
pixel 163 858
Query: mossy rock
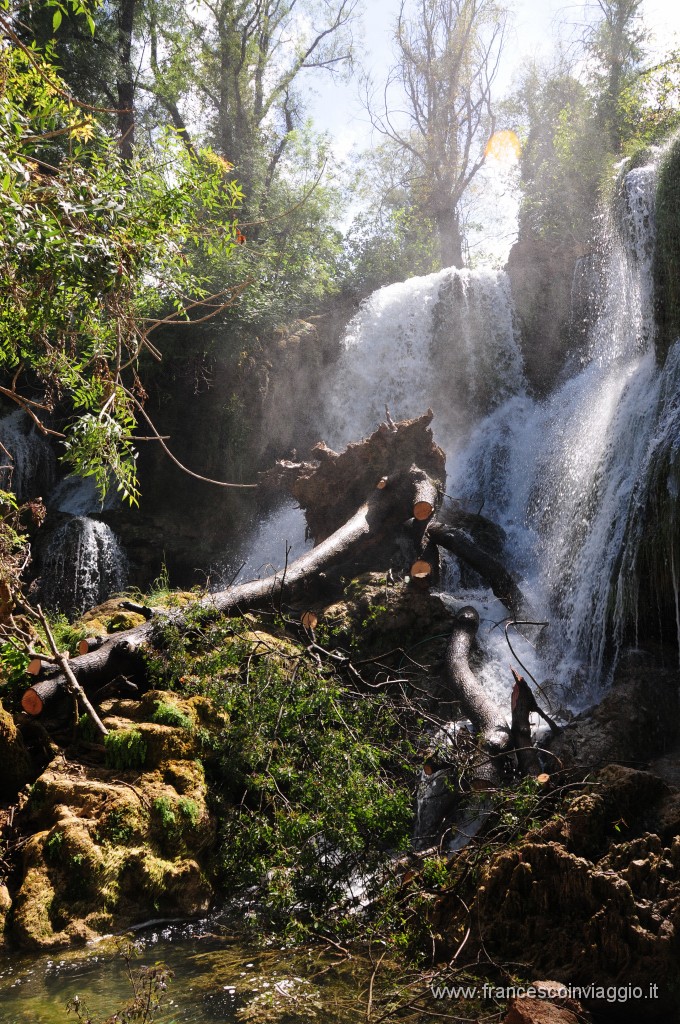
pixel 171 887
pixel 666 266
pixel 266 645
pixel 17 768
pixel 109 852
pixel 109 617
pixel 34 924
pixel 5 907
pixel 376 611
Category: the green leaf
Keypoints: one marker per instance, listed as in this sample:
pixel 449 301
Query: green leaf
pixel 56 20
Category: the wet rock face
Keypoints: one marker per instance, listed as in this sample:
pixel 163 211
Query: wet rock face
pixel 541 281
pixel 637 720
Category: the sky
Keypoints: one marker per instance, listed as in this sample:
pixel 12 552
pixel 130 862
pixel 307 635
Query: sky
pixel 535 28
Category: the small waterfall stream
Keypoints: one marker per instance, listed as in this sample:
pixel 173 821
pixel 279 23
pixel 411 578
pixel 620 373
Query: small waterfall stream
pixel 82 565
pixel 27 462
pixel 81 561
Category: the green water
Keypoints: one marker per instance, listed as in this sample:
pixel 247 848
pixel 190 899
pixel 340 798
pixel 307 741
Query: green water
pixel 217 980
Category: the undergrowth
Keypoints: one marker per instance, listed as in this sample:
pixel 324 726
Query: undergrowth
pixel 312 780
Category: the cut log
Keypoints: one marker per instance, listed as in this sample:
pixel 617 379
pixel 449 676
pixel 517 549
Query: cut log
pixel 489 568
pixel 91 643
pixel 426 496
pixel 421 573
pixel 43 695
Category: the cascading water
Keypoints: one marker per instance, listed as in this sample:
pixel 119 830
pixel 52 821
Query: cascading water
pixel 27 464
pixel 567 477
pixel 82 565
pixel 573 469
pixel 445 341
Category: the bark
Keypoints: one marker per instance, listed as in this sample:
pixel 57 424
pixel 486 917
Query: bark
pixel 487 718
pixel 126 85
pixel 331 485
pixel 489 568
pixel 523 704
pixel 426 497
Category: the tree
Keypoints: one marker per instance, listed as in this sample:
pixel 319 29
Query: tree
pixel 95 253
pixel 98 61
pixel 564 156
pixel 615 43
pixel 447 61
pixel 390 239
pixel 241 63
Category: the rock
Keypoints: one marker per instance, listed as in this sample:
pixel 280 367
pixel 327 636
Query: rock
pixel 593 896
pixel 5 906
pixel 637 719
pixel 528 1010
pixel 115 846
pixel 541 275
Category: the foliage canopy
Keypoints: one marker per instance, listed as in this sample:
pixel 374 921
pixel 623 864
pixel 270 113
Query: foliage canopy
pixel 95 253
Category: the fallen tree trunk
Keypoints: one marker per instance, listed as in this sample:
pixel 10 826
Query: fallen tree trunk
pixel 331 485
pixel 489 568
pixel 385 509
pixel 486 716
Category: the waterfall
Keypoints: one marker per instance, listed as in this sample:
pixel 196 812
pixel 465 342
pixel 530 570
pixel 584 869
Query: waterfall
pixel 569 478
pixel 446 341
pixel 82 565
pixel 27 464
pixel 566 477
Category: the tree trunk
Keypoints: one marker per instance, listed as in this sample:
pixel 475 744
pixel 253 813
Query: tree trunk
pixel 485 715
pixel 497 576
pixel 126 84
pixel 450 238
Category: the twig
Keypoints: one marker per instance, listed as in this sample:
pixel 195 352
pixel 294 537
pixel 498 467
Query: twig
pixel 72 683
pixel 369 1004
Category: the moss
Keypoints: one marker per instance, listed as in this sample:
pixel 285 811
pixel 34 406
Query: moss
pixel 667 252
pixel 125 748
pixel 16 764
pixel 169 714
